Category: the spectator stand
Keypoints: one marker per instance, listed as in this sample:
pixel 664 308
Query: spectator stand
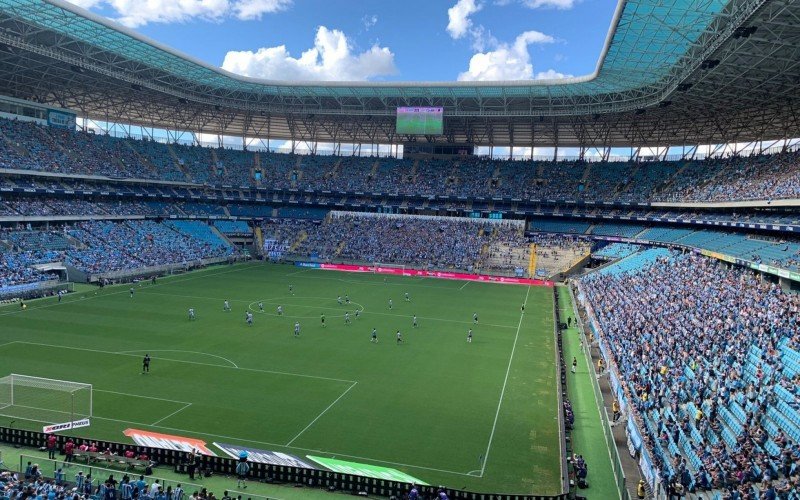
pixel 118 466
pixel 736 431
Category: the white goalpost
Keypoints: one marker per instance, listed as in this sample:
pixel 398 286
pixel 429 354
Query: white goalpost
pixel 44 400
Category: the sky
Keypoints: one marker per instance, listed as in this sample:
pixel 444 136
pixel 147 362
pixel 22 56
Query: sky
pixel 377 40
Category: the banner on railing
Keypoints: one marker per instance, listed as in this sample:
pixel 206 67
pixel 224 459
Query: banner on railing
pixel 634 436
pixel 378 472
pixel 168 442
pixel 49 429
pixel 648 471
pixel 264 456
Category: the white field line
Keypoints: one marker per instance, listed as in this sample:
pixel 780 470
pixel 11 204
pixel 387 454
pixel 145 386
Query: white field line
pixel 171 414
pixel 256 370
pixel 503 391
pixel 266 443
pixel 321 414
pixel 143 397
pixel 138 352
pixel 275 445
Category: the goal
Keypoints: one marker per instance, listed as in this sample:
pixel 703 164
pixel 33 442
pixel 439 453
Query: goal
pixel 380 268
pixel 44 400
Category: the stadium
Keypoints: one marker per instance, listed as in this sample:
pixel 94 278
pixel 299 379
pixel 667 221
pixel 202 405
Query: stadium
pixel 583 287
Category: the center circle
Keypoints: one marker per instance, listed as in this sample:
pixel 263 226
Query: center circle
pixel 288 302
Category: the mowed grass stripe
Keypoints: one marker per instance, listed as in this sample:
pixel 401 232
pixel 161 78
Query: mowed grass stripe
pixel 426 406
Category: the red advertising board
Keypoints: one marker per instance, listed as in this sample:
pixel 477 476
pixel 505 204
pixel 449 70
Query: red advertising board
pixel 435 274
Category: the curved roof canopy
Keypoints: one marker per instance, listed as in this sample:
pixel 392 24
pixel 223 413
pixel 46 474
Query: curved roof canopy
pixel 669 70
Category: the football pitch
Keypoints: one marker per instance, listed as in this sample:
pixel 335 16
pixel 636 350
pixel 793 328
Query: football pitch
pixel 481 415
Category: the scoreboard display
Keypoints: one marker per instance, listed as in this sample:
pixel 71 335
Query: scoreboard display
pixel 420 121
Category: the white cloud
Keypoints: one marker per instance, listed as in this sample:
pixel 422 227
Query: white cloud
pixel 254 9
pixel 482 38
pixel 506 62
pixel 135 13
pixel 331 58
pixel 459 22
pixel 551 74
pixel 553 4
pixel 369 21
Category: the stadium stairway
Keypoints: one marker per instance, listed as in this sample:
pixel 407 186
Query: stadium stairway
pixel 177 162
pixel 143 159
pixel 298 167
pixel 258 236
pixel 373 173
pixel 221 235
pixel 256 159
pixel 671 180
pixel 18 148
pixel 53 144
pixel 586 172
pixel 532 261
pixel 303 236
pixel 336 169
pixel 340 248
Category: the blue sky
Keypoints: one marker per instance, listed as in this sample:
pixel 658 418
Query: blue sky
pixel 378 40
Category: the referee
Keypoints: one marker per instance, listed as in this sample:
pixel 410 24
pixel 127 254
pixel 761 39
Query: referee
pixel 146 364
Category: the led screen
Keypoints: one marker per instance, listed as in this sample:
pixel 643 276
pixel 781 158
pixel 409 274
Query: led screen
pixel 420 121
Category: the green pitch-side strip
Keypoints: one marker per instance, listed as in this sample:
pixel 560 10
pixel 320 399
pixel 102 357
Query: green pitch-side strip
pixel 358 469
pixel 587 435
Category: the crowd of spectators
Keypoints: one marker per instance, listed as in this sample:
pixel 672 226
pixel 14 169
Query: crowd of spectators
pixel 28 146
pixel 747 178
pixel 112 246
pixel 33 484
pixel 433 242
pixel 709 357
pixel 106 246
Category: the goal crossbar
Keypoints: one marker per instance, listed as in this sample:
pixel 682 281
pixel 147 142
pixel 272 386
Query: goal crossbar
pixel 30 397
pixel 45 383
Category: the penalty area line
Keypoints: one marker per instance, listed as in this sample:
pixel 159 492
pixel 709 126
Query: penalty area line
pixel 171 414
pixel 234 365
pixel 321 414
pixel 227 367
pixel 249 441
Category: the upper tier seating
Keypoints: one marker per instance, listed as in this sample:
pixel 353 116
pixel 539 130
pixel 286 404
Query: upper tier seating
pixel 27 146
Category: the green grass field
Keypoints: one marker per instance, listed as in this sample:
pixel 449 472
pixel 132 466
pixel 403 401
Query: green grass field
pixel 430 407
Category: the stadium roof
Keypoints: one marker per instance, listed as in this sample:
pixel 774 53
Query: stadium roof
pixel 671 72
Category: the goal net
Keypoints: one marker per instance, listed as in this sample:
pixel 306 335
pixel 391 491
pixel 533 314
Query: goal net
pixel 44 400
pixel 380 268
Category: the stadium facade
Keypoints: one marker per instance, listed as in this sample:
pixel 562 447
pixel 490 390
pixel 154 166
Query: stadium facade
pixel 670 73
